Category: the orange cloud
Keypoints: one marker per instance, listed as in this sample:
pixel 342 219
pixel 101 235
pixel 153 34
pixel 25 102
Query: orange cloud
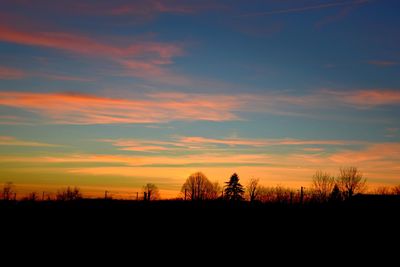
pixel 7 73
pixel 147 161
pixel 69 108
pixel 372 153
pixel 202 144
pixel 262 142
pixel 378 162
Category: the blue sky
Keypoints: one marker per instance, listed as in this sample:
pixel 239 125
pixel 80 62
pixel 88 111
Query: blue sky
pixel 103 94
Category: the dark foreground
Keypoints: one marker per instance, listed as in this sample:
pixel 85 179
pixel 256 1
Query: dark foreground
pixel 363 210
pixel 367 222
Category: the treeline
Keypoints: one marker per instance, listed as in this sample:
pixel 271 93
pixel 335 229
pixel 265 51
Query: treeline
pixel 197 187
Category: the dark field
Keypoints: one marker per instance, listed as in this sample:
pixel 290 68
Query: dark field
pixel 112 227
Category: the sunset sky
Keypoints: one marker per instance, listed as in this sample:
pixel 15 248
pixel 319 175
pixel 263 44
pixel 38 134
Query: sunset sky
pixel 110 95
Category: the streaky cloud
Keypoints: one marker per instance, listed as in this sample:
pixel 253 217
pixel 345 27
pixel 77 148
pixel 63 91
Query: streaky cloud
pixel 12 141
pixel 306 8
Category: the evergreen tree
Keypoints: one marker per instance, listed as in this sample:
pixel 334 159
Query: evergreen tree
pixel 336 195
pixel 234 190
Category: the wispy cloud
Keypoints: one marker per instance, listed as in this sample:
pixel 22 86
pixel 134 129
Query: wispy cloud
pixel 140 145
pixel 383 63
pixel 85 45
pixel 152 8
pixel 374 152
pixel 62 77
pixel 70 108
pixel 143 59
pixel 378 161
pixel 306 8
pixel 12 141
pixel 392 132
pixel 198 144
pixel 7 73
pixel 260 142
pixel 370 98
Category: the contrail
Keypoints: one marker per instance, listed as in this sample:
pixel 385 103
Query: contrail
pixel 306 8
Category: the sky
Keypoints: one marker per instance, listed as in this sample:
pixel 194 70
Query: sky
pixel 111 95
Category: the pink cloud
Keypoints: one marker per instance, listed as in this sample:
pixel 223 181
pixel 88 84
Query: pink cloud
pixel 69 108
pixel 370 98
pixel 142 59
pixel 63 77
pixel 7 73
pixel 85 45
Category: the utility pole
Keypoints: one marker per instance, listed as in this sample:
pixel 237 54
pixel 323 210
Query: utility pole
pixel 301 195
pixel 137 196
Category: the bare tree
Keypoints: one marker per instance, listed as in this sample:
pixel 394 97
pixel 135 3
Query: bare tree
pixel 197 187
pixel 351 182
pixel 69 194
pixel 277 194
pixel 253 189
pixel 383 190
pixel 215 190
pixel 265 194
pixel 151 192
pixel 396 190
pixel 282 194
pixel 32 196
pixel 8 191
pixel 322 185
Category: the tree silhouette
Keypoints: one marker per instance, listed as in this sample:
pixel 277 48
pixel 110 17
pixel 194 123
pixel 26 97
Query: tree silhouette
pixel 198 187
pixel 351 182
pixel 383 190
pixel 234 190
pixel 32 196
pixel 8 191
pixel 253 189
pixel 322 185
pixel 151 192
pixel 215 191
pixel 69 194
pixel 335 194
pixel 396 190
